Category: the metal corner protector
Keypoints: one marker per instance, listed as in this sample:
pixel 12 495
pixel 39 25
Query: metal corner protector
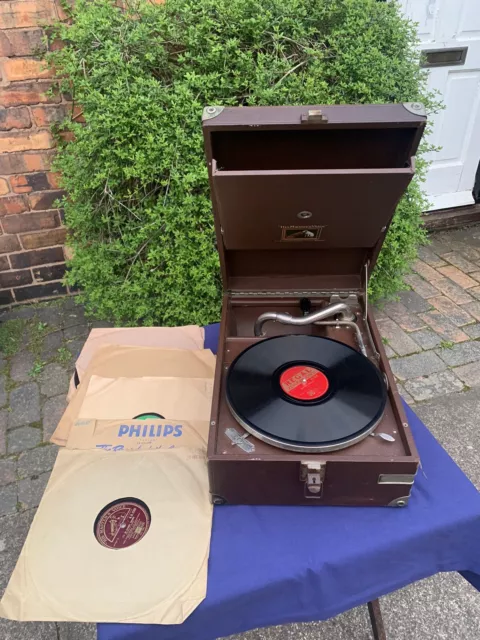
pixel 211 112
pixel 417 108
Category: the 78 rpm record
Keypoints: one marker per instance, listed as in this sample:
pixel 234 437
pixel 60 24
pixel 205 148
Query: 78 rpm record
pixel 306 393
pixel 118 537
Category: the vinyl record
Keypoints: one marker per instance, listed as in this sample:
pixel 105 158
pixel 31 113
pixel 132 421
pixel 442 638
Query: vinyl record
pixel 306 393
pixel 118 537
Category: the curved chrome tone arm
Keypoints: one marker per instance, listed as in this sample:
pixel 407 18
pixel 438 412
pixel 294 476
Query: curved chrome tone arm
pixel 352 325
pixel 339 308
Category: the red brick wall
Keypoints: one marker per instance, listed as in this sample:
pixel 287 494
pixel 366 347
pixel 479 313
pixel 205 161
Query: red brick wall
pixel 32 260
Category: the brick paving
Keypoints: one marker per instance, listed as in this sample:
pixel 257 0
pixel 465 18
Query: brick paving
pixel 33 385
pixel 433 328
pixel 432 338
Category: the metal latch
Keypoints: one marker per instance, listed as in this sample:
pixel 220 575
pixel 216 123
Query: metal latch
pixel 314 115
pixel 313 475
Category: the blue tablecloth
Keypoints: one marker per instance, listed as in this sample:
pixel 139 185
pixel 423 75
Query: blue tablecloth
pixel 274 565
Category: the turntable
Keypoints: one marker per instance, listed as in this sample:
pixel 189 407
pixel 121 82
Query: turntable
pixel 305 407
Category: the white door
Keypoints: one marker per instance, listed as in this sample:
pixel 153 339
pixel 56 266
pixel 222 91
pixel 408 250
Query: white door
pixel 454 27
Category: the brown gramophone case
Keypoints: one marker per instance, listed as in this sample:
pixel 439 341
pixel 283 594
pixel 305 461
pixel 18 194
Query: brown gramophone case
pixel 302 199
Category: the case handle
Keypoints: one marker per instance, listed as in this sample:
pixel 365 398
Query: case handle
pixel 314 115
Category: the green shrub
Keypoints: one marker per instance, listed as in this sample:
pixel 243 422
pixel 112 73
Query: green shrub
pixel 138 209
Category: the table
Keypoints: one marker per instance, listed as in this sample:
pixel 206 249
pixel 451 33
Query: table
pixel 275 565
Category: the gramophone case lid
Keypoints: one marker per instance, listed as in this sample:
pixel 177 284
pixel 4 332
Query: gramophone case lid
pixel 303 196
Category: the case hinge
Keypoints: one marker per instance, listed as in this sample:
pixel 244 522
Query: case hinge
pixel 293 294
pixel 312 474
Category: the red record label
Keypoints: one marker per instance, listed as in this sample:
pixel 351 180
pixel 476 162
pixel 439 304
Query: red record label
pixel 122 523
pixel 304 383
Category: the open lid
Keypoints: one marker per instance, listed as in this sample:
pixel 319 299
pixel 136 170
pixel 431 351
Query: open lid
pixel 303 196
